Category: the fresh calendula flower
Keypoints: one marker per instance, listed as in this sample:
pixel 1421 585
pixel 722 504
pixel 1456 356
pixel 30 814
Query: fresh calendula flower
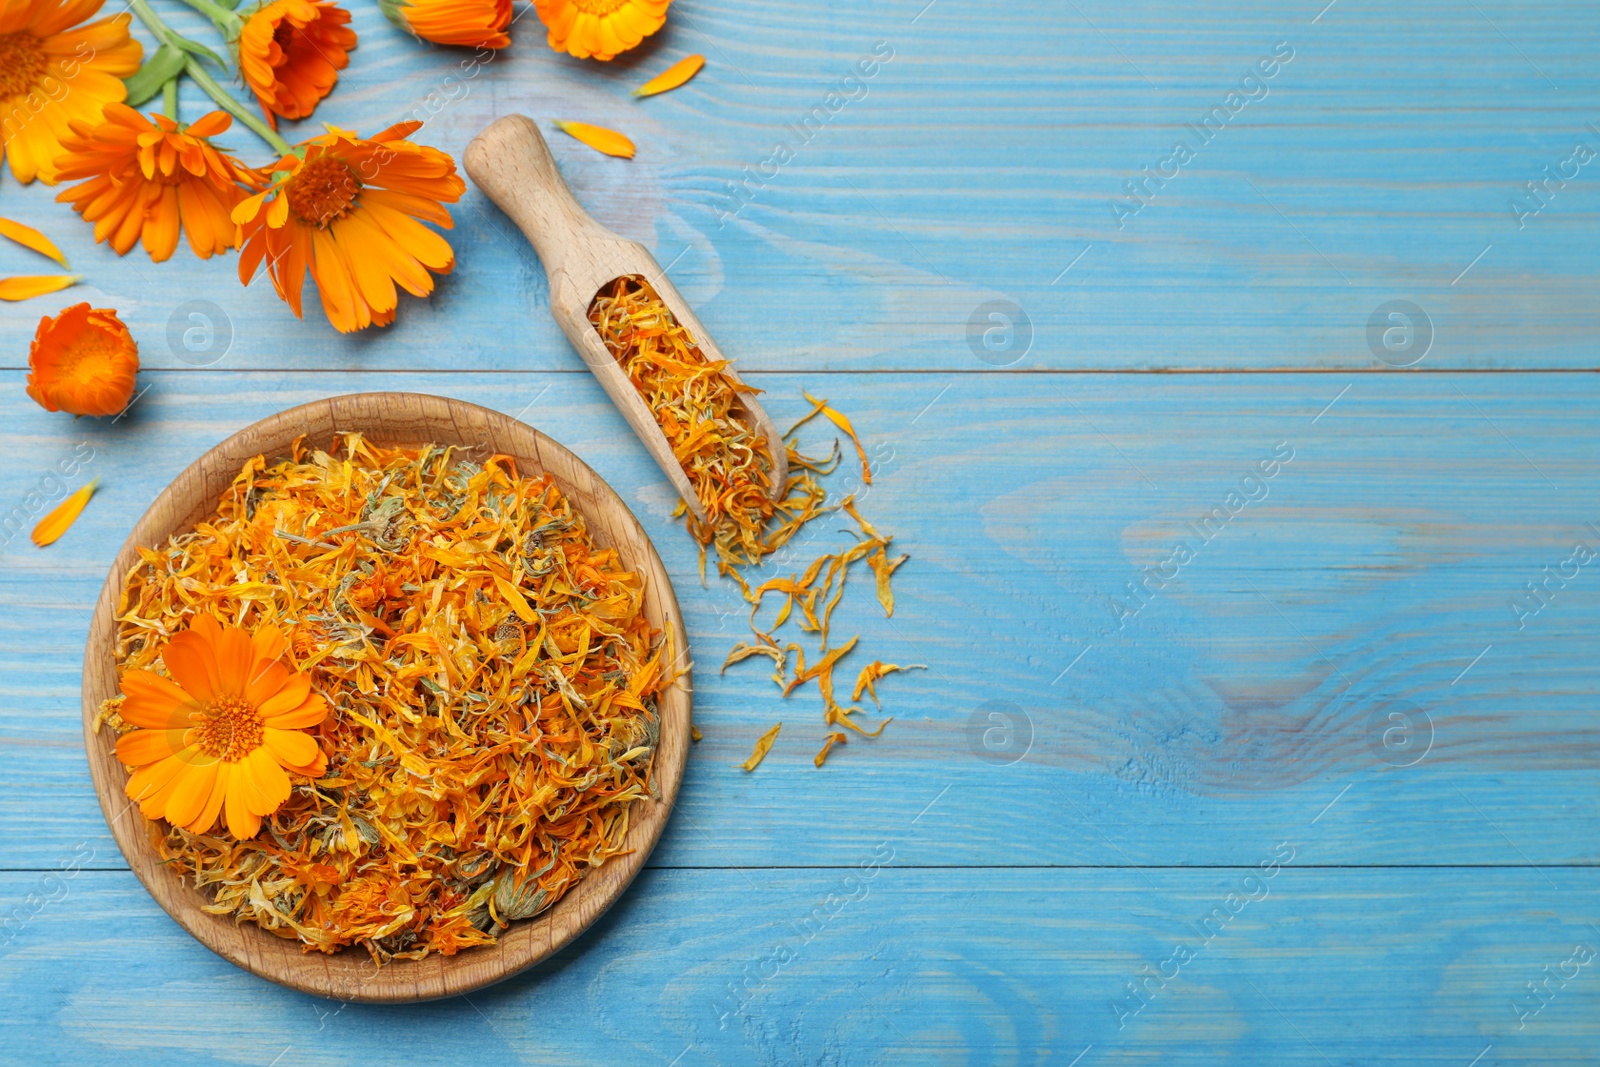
pixel 600 29
pixel 54 70
pixel 222 731
pixel 291 53
pixel 468 23
pixel 83 361
pixel 151 178
pixel 347 209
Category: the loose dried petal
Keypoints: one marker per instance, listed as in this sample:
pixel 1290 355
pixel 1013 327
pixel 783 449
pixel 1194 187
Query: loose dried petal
pixel 833 739
pixel 62 516
pixel 763 746
pixel 598 138
pixel 838 419
pixel 672 77
pixel 867 680
pixel 492 682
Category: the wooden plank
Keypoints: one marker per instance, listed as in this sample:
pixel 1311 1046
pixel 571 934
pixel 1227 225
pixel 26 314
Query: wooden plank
pixel 885 965
pixel 1251 690
pixel 976 165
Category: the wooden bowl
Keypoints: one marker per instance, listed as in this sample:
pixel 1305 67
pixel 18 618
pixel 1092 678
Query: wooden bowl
pixel 391 419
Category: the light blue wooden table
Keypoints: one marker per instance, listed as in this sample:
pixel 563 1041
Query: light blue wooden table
pixel 1313 791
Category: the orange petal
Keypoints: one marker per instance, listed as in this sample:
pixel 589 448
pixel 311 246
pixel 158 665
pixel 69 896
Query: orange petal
pixel 192 664
pixel 314 769
pixel 599 138
pixel 29 237
pixel 157 789
pixel 672 77
pixel 291 746
pixel 268 679
pixel 242 822
pixel 62 516
pixel 210 125
pixel 35 285
pixel 309 713
pixel 192 792
pixel 290 695
pixel 269 644
pixel 149 746
pixel 268 784
pixel 234 659
pixel 154 702
pixel 213 805
pixel 150 780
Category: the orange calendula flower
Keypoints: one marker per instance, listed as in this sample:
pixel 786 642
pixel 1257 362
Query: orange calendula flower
pixel 600 29
pixel 348 210
pixel 223 733
pixel 291 53
pixel 468 23
pixel 53 70
pixel 83 361
pixel 151 179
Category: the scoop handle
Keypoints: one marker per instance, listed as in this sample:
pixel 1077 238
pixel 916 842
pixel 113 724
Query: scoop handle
pixel 511 162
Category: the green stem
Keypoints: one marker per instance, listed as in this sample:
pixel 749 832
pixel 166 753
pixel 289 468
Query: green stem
pixel 226 22
pixel 169 99
pixel 228 103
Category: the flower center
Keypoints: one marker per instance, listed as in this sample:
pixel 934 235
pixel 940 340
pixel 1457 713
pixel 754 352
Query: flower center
pixel 22 64
pixel 322 190
pixel 601 8
pixel 230 731
pixel 92 356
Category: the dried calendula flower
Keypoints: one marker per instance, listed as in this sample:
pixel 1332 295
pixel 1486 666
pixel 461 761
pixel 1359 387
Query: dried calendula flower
pixel 695 401
pixel 491 678
pixel 697 404
pixel 763 746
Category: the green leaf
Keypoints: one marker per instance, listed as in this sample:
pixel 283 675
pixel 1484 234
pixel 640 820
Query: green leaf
pixel 165 64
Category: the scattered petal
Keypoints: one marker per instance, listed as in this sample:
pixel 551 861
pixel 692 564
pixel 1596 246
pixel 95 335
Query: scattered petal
pixel 868 678
pixel 833 739
pixel 763 746
pixel 29 237
pixel 838 419
pixel 599 138
pixel 673 76
pixel 63 515
pixel 32 285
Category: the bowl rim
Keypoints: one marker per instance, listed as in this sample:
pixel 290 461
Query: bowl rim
pixel 350 975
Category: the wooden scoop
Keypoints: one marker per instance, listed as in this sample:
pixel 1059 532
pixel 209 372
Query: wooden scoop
pixel 511 163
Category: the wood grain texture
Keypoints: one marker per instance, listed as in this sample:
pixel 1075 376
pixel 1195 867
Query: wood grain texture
pixel 390 419
pixel 976 165
pixel 900 967
pixel 1378 568
pixel 510 161
pixel 1247 703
